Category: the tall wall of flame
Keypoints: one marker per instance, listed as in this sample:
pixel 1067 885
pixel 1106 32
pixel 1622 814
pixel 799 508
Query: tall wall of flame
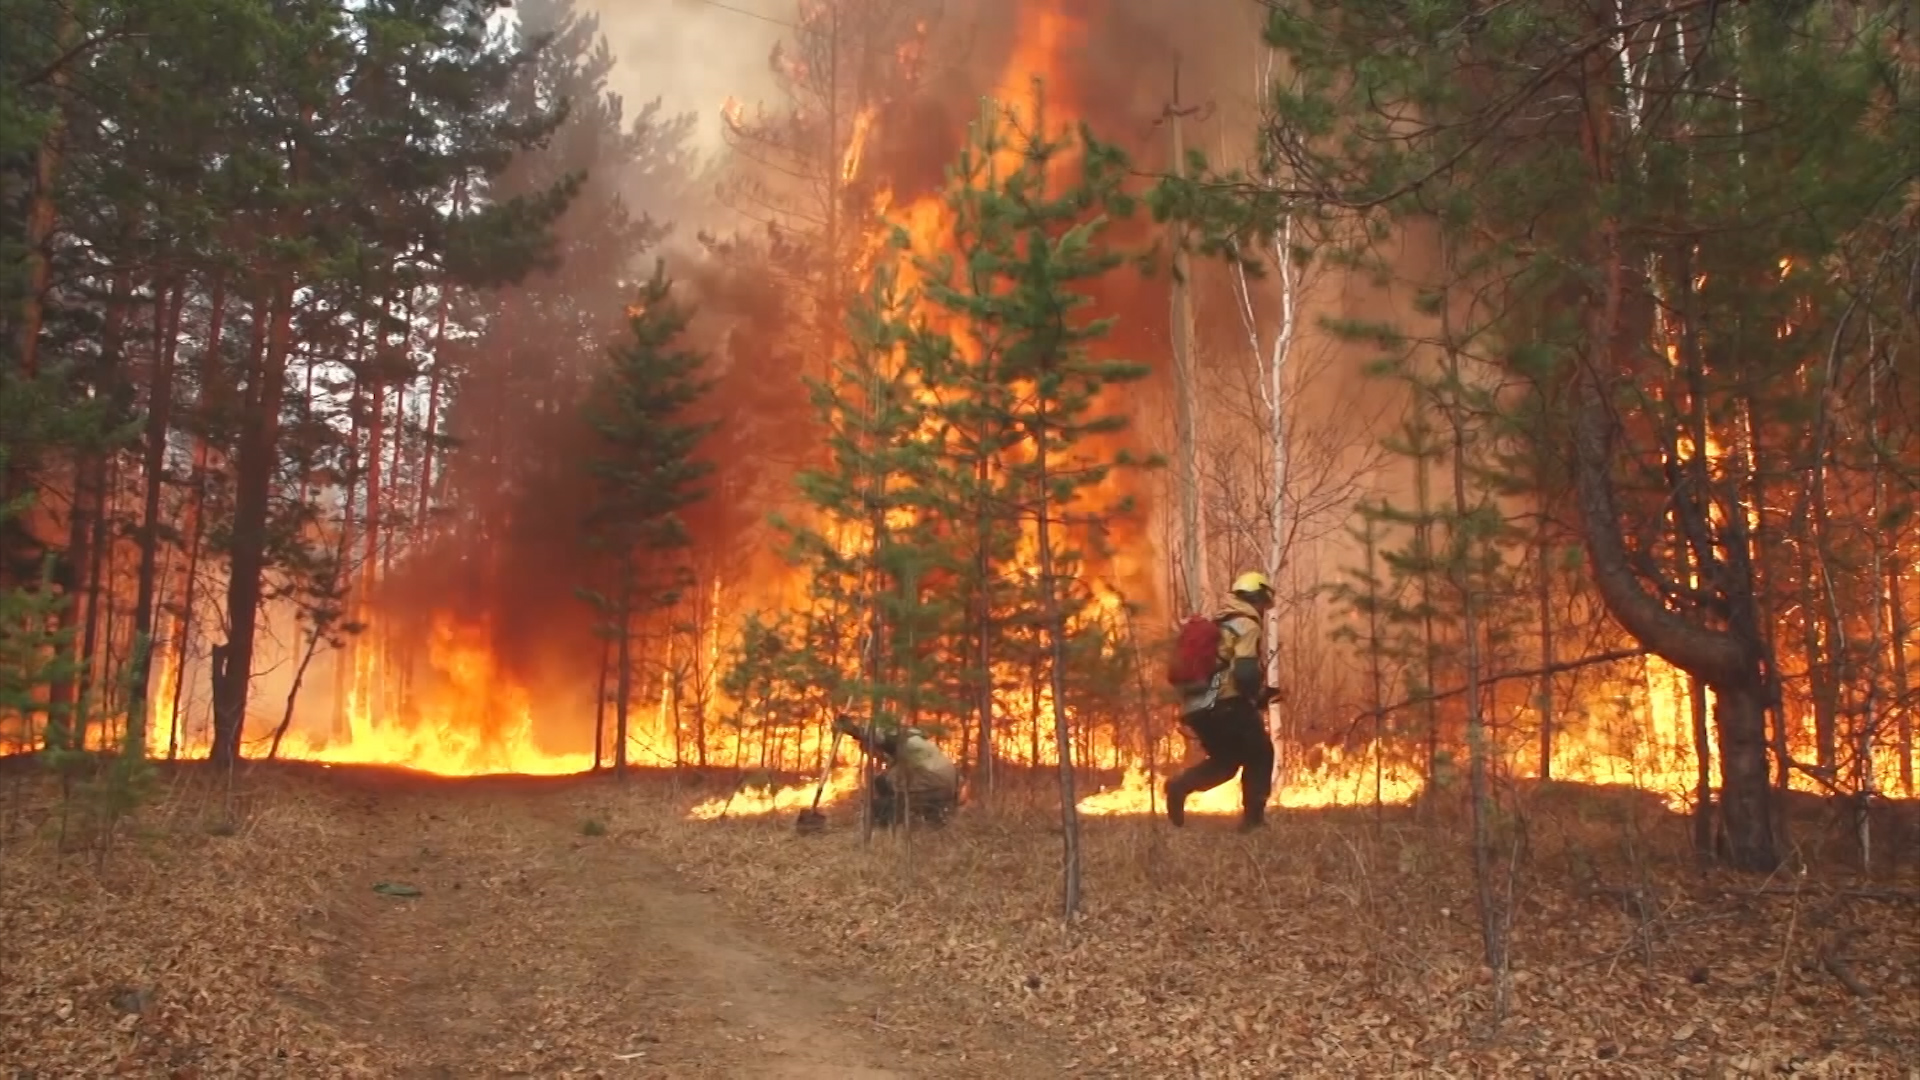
pixel 1109 63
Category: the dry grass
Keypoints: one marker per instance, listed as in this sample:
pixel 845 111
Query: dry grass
pixel 1332 945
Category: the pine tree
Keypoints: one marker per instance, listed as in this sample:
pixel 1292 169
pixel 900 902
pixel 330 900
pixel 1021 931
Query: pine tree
pixel 1024 252
pixel 870 543
pixel 36 638
pixel 649 471
pixel 1668 228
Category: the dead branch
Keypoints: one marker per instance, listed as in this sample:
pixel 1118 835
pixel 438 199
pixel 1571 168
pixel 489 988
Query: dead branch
pixel 1837 965
pixel 1559 667
pixel 72 55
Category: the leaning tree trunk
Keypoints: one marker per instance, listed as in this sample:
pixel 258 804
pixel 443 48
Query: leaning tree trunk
pixel 1731 664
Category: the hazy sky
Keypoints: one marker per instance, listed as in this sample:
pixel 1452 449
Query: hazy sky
pixel 692 53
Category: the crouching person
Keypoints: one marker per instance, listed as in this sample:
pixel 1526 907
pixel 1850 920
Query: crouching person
pixel 915 779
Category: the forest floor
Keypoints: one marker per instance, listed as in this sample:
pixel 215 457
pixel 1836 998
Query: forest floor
pixel 306 922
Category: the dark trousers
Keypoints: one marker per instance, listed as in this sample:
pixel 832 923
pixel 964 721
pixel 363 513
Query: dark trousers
pixel 1234 735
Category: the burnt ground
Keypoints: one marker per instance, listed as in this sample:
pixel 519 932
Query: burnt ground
pixel 374 923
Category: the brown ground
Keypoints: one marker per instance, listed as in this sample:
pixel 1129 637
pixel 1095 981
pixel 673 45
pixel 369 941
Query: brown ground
pixel 537 947
pixel 579 928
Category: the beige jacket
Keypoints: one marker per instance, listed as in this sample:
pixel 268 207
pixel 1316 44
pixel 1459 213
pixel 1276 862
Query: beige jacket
pixel 922 769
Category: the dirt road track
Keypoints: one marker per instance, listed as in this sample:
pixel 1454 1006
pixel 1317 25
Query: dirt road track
pixel 535 949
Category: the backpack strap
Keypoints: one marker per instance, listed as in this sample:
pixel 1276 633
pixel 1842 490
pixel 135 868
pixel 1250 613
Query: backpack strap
pixel 1226 617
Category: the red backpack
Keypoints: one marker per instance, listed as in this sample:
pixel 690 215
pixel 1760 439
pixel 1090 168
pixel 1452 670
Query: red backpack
pixel 1196 654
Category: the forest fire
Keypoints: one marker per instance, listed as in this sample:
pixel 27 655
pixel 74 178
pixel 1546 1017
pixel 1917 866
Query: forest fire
pixel 705 406
pixel 465 719
pixel 444 616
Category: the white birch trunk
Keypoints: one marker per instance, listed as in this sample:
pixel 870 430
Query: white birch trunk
pixel 1271 353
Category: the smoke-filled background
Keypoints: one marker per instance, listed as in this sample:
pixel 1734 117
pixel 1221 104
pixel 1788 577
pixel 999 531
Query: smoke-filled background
pixel 698 129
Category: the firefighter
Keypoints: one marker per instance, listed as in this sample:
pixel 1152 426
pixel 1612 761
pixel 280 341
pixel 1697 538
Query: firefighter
pixel 1232 730
pixel 917 779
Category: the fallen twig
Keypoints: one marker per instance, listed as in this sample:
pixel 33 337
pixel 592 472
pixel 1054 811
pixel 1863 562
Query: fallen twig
pixel 1837 965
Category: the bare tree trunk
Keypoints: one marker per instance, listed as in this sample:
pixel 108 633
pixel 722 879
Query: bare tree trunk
pixel 42 211
pixel 91 672
pixel 369 673
pixel 1274 390
pixel 623 695
pixel 600 705
pixel 167 305
pixel 293 692
pixel 1822 673
pixel 196 508
pixel 253 494
pixel 1543 600
pixel 1902 631
pixel 1376 689
pixel 1430 644
pixel 1057 670
pixel 1493 920
pixel 983 631
pixel 393 515
pixel 346 662
pixel 1869 720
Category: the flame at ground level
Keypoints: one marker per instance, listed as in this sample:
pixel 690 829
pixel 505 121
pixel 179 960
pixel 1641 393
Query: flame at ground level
pixel 465 718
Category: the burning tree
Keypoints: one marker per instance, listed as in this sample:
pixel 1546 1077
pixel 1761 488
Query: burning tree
pixel 800 166
pixel 967 445
pixel 1615 185
pixel 648 473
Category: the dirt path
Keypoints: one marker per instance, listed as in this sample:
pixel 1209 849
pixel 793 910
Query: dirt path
pixel 537 949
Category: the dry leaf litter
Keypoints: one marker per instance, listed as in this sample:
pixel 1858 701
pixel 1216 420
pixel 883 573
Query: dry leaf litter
pixel 236 932
pixel 356 923
pixel 1332 945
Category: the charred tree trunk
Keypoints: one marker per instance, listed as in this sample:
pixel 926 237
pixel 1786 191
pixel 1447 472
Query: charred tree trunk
pixel 623 695
pixel 1902 630
pixel 1703 769
pixel 253 495
pixel 600 705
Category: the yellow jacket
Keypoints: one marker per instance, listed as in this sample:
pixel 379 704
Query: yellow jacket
pixel 1240 626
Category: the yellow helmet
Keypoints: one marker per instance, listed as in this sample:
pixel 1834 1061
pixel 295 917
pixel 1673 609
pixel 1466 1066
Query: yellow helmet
pixel 1253 581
